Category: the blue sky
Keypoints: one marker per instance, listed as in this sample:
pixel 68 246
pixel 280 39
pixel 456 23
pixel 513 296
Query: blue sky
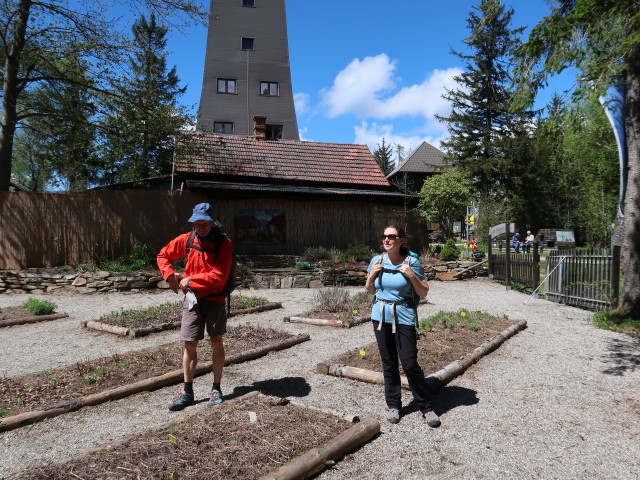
pixel 363 71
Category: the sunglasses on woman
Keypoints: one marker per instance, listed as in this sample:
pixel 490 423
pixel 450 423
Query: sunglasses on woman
pixel 390 237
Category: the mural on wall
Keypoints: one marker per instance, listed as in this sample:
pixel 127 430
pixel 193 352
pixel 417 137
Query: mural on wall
pixel 259 227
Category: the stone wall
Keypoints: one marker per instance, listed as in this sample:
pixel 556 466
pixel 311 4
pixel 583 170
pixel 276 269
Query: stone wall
pixel 36 281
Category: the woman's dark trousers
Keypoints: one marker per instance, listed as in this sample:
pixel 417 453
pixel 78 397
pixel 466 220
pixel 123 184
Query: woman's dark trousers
pixel 401 344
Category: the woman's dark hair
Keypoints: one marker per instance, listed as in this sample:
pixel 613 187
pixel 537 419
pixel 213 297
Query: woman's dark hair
pixel 404 249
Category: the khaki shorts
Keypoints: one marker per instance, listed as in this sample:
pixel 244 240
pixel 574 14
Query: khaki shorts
pixel 211 314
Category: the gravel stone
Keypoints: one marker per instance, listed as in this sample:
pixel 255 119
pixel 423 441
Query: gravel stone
pixel 559 400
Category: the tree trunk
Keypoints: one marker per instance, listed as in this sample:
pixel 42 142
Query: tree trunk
pixel 10 91
pixel 630 299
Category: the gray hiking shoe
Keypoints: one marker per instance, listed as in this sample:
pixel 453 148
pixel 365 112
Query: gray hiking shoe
pixel 215 398
pixel 393 415
pixel 431 418
pixel 181 401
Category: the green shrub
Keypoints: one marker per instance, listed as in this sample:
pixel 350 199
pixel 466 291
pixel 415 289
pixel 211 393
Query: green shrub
pixel 40 307
pixel 141 257
pixel 449 252
pixel 358 253
pixel 303 266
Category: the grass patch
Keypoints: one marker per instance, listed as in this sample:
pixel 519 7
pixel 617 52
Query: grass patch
pixel 617 321
pixel 40 307
pixel 337 299
pixel 147 315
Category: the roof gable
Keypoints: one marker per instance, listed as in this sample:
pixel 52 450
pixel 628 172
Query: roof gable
pixel 424 159
pixel 281 160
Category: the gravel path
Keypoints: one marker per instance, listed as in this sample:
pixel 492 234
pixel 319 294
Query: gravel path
pixel 559 400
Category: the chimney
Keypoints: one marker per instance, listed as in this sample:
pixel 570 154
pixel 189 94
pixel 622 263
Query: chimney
pixel 260 128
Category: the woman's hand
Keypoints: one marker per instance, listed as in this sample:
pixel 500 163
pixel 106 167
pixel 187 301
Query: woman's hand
pixel 375 269
pixel 407 271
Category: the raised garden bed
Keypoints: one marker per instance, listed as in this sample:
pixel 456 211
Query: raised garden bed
pixel 247 438
pixel 21 315
pixel 167 316
pixel 443 350
pixel 30 398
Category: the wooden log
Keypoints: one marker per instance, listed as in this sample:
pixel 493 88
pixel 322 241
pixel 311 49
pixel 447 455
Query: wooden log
pixel 31 319
pixel 104 327
pixel 259 308
pixel 316 460
pixel 148 384
pixel 360 320
pixel 141 332
pixel 316 321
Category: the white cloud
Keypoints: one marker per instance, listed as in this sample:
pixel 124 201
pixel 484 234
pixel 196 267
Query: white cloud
pixel 302 103
pixel 365 89
pixel 372 135
pixel 356 88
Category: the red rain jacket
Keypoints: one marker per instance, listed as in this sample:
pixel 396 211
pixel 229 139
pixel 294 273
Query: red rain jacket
pixel 207 274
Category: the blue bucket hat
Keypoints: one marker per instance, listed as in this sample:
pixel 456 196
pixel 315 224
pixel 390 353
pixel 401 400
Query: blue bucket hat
pixel 202 211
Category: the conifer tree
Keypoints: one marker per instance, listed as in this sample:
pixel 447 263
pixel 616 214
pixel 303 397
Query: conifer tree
pixel 145 116
pixel 480 119
pixel 383 155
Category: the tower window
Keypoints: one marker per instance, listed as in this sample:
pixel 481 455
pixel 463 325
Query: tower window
pixel 223 127
pixel 269 89
pixel 248 3
pixel 226 85
pixel 247 43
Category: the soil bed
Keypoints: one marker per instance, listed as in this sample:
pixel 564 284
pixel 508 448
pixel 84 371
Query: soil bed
pixel 220 442
pixel 436 348
pixel 36 391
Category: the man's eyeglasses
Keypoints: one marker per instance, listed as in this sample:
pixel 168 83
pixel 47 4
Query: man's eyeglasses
pixel 390 237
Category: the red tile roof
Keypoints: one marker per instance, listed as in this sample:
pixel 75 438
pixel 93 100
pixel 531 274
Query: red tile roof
pixel 280 160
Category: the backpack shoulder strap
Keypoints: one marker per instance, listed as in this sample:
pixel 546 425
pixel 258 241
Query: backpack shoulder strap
pixel 192 235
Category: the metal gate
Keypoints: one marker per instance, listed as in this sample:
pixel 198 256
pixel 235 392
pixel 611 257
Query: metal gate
pixel 584 278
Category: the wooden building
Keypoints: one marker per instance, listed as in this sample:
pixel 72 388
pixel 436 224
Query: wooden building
pixel 424 162
pixel 280 197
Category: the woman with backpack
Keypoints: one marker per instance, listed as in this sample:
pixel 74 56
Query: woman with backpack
pixel 397 281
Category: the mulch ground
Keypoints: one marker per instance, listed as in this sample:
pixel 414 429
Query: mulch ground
pixel 220 442
pixel 436 348
pixel 359 309
pixel 28 392
pixel 14 313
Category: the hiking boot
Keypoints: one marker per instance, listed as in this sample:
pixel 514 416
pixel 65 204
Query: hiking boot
pixel 431 418
pixel 181 401
pixel 215 398
pixel 393 415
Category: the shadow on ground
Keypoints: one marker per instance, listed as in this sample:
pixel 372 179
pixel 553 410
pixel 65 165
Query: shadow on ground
pixel 447 399
pixel 623 356
pixel 279 387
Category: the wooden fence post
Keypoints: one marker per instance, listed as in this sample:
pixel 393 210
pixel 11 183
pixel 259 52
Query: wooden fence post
pixel 507 263
pixel 535 266
pixel 489 252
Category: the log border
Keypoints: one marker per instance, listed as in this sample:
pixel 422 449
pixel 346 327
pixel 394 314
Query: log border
pixel 328 323
pixel 143 331
pixel 436 380
pixel 148 384
pixel 32 319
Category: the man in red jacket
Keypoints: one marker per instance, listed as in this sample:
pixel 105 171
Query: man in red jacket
pixel 205 275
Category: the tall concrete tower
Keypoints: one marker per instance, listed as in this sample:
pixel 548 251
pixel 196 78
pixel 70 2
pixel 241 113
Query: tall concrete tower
pixel 246 70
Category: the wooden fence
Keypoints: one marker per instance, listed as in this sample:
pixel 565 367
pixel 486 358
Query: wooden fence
pixel 52 229
pixel 584 278
pixel 511 267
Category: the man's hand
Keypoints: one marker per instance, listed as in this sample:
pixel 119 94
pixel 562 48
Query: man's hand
pixel 184 284
pixel 174 281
